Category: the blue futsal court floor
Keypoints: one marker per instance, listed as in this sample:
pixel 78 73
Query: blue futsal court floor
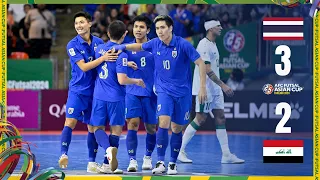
pixel 204 150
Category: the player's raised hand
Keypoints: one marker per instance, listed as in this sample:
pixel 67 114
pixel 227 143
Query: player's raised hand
pixel 226 89
pixel 110 55
pixel 133 65
pixel 202 95
pixel 140 82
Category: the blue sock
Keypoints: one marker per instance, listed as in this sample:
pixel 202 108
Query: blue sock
pixel 150 143
pixel 92 147
pixel 162 142
pixel 114 140
pixel 132 143
pixel 175 143
pixel 102 139
pixel 65 139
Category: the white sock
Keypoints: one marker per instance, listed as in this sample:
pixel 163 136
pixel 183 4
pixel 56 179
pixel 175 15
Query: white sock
pixel 223 140
pixel 188 134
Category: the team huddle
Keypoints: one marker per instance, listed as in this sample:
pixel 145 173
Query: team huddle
pixel 148 81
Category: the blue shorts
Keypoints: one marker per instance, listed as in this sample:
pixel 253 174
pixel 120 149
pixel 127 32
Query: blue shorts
pixel 103 111
pixel 142 107
pixel 79 107
pixel 178 108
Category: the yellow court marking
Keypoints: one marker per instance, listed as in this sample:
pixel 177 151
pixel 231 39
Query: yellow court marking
pixel 280 178
pixel 200 178
pixel 146 178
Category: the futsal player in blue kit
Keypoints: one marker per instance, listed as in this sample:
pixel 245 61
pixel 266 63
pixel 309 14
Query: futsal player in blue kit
pixel 109 97
pixel 81 51
pixel 172 55
pixel 141 102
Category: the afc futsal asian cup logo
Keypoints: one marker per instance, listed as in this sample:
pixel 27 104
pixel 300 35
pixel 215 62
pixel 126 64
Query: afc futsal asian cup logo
pixel 281 89
pixel 233 41
pixel 294 3
pixel 267 89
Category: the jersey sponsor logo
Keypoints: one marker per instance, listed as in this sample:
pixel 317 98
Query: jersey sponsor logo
pixel 159 107
pixel 72 52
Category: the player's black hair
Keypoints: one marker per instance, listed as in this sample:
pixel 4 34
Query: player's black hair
pixel 82 14
pixel 116 30
pixel 166 18
pixel 144 19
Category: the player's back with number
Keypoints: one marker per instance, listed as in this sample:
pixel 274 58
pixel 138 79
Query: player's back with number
pixel 107 87
pixel 77 49
pixel 172 65
pixel 145 71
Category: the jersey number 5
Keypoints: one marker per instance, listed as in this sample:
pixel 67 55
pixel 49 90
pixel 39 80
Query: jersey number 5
pixel 104 73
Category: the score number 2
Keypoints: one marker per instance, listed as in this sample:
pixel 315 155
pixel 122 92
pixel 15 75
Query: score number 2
pixel 283 72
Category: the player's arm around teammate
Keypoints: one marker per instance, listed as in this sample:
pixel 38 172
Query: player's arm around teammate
pixel 141 102
pixel 209 52
pixel 81 51
pixel 173 86
pixel 109 97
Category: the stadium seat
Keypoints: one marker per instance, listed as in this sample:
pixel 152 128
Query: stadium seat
pixel 19 55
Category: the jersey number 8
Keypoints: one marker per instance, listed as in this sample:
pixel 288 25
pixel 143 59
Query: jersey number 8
pixel 143 62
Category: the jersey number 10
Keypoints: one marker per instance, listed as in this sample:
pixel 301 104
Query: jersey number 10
pixel 283 72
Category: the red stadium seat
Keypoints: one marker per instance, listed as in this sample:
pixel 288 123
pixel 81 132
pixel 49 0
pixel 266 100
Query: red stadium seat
pixel 19 55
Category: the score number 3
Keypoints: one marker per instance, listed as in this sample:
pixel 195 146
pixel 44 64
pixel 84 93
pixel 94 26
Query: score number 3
pixel 283 72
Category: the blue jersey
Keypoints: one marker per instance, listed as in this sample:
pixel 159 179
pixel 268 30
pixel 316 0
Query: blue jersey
pixel 78 49
pixel 172 65
pixel 107 87
pixel 145 71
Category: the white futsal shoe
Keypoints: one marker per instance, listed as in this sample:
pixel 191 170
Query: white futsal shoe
pixel 172 169
pixel 133 166
pixel 147 163
pixel 231 159
pixel 183 157
pixel 63 161
pixel 111 154
pixel 105 168
pixel 160 168
pixel 93 167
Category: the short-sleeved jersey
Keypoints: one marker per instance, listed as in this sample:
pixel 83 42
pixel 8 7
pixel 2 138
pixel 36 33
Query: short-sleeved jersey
pixel 107 87
pixel 172 65
pixel 145 71
pixel 78 49
pixel 209 53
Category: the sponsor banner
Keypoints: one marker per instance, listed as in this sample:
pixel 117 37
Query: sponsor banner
pixel 283 151
pixel 34 74
pixel 23 109
pixel 53 111
pixel 236 49
pixel 255 111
